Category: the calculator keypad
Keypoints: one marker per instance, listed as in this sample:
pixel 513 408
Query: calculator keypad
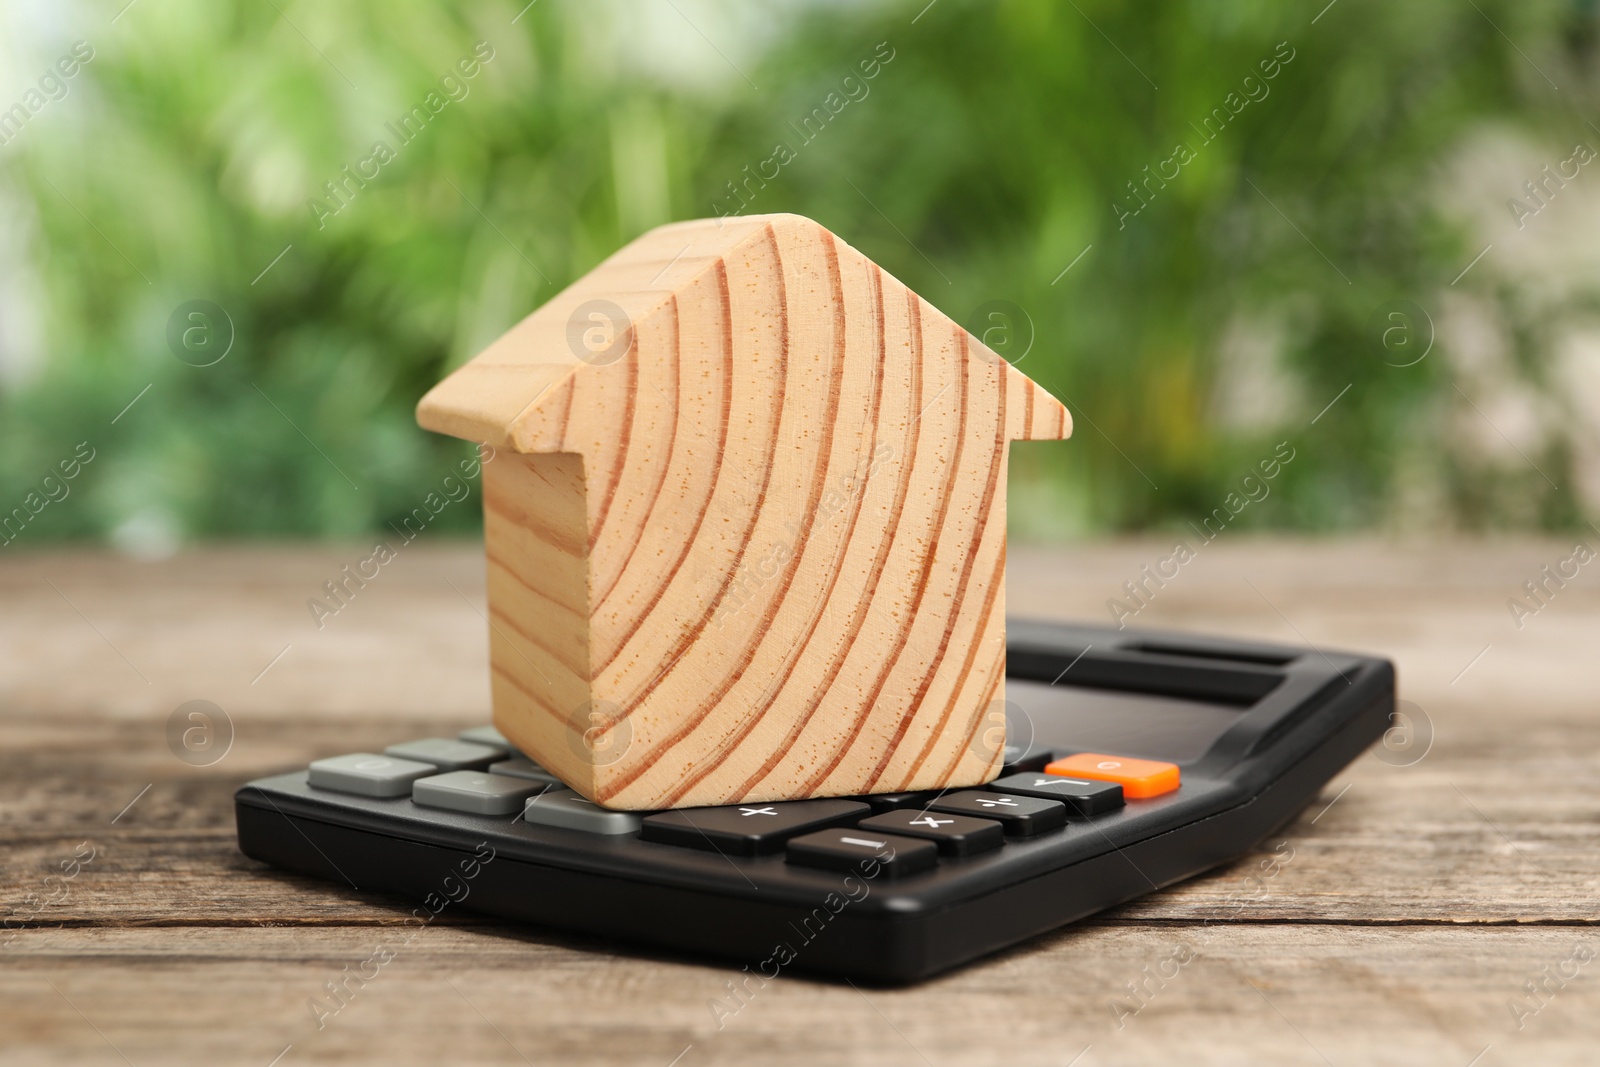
pixel 480 773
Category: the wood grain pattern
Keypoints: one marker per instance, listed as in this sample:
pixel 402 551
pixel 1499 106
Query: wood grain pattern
pixel 793 476
pixel 1413 909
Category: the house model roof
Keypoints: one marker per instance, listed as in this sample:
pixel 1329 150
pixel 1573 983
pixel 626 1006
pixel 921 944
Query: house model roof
pixel 745 523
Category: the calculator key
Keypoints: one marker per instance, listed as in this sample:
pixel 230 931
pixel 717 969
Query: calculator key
pixel 748 829
pixel 1138 777
pixel 475 792
pixel 851 850
pixel 954 835
pixel 367 774
pixel 1082 796
pixel 882 802
pixel 447 754
pixel 1025 757
pixel 1021 816
pixel 566 809
pixel 486 735
pixel 523 767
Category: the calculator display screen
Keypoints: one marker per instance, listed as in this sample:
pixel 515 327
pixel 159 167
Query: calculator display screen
pixel 1117 723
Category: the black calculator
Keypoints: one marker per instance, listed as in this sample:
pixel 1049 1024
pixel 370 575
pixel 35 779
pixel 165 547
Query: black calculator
pixel 1133 760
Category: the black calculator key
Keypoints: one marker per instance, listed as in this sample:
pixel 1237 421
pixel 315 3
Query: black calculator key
pixel 752 829
pixel 1080 795
pixel 955 835
pixel 856 850
pixel 882 802
pixel 1021 816
pixel 1025 757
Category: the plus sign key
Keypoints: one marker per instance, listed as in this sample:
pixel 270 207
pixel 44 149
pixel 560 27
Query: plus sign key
pixel 747 829
pixel 956 835
pixel 1021 816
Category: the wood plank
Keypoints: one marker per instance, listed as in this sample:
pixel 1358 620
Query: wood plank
pixel 1411 910
pixel 1256 994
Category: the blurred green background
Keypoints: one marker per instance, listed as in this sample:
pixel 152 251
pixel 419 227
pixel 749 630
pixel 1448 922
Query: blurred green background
pixel 1316 245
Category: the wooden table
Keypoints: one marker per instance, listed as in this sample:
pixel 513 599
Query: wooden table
pixel 1409 908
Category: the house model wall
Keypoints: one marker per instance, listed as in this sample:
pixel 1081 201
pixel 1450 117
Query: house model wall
pixel 746 529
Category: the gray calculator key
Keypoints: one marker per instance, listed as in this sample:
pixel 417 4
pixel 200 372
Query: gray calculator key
pixel 523 767
pixel 568 810
pixel 474 792
pixel 368 774
pixel 447 754
pixel 485 735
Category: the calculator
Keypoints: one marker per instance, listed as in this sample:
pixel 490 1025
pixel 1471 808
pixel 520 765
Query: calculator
pixel 1133 760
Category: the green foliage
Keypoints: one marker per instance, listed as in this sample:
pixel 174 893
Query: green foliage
pixel 976 163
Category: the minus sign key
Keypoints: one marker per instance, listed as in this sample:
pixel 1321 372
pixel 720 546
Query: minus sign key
pixel 846 850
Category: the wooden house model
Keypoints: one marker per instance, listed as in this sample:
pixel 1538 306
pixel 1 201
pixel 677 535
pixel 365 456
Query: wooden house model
pixel 745 526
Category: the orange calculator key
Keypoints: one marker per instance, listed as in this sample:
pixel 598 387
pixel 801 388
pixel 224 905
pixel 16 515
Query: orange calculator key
pixel 1138 777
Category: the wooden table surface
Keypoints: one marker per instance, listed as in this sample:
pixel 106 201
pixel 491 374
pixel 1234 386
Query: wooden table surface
pixel 1410 909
